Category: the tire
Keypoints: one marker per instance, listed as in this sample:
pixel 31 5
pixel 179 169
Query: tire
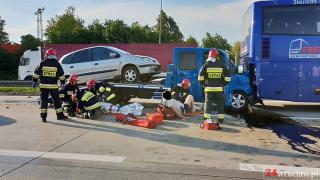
pixel 239 101
pixel 131 74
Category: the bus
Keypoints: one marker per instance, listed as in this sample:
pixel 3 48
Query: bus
pixel 280 49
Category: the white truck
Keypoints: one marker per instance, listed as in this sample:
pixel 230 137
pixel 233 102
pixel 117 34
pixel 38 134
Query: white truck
pixel 28 62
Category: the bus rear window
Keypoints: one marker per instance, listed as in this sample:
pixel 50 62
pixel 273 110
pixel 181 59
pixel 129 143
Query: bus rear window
pixel 291 20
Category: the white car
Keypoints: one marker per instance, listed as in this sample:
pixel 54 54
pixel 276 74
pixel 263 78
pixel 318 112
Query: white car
pixel 105 62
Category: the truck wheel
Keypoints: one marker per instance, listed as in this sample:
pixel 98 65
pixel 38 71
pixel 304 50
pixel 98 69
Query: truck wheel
pixel 239 101
pixel 131 74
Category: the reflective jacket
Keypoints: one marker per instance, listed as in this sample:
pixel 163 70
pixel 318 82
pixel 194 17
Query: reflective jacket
pixel 87 100
pixel 49 72
pixel 179 93
pixel 67 91
pixel 104 89
pixel 214 76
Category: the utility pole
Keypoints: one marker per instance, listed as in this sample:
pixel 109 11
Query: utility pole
pixel 160 29
pixel 39 23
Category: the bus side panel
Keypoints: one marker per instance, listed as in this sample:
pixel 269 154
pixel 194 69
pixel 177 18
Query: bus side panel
pixel 278 80
pixel 309 81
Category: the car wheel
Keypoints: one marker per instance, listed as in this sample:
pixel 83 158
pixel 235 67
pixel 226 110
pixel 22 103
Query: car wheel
pixel 239 101
pixel 131 74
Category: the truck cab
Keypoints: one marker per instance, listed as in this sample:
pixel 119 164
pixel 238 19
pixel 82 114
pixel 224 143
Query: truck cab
pixel 28 62
pixel 187 64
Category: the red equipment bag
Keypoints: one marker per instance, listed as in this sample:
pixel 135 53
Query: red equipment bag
pixel 143 123
pixel 156 117
pixel 167 112
pixel 209 125
pixel 135 122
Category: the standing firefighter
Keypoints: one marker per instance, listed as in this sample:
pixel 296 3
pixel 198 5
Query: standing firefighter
pixel 214 76
pixel 49 72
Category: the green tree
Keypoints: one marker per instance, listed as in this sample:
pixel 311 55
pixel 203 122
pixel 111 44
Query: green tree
pixel 29 42
pixel 193 41
pixel 3 35
pixel 67 28
pixel 8 65
pixel 96 32
pixel 116 31
pixel 216 41
pixel 170 31
pixel 235 52
pixel 142 34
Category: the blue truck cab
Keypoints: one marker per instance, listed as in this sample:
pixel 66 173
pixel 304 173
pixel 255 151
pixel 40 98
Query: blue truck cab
pixel 187 64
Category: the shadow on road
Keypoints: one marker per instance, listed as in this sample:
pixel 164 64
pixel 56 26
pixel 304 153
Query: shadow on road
pixel 181 140
pixel 300 137
pixel 4 121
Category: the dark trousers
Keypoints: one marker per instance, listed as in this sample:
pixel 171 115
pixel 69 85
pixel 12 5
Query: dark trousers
pixel 214 98
pixel 44 93
pixel 70 107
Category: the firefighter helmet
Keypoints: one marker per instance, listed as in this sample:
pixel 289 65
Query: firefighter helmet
pixel 186 83
pixel 214 53
pixel 74 78
pixel 51 54
pixel 91 84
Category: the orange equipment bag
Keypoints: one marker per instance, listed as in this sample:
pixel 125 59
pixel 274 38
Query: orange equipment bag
pixel 167 112
pixel 135 122
pixel 156 117
pixel 209 125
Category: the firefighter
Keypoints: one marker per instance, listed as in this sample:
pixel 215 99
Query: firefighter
pixel 49 72
pixel 182 94
pixel 66 95
pixel 214 76
pixel 103 91
pixel 88 103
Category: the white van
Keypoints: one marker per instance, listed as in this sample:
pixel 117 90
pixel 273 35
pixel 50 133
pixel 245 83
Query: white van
pixel 28 62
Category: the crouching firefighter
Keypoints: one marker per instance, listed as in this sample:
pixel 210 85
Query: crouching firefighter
pixel 88 103
pixel 102 91
pixel 66 93
pixel 49 72
pixel 214 76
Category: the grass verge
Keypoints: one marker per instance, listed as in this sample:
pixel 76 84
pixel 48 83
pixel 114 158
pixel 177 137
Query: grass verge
pixel 19 91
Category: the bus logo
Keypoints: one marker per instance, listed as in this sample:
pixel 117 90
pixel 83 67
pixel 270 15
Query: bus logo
pixel 299 48
pixel 305 1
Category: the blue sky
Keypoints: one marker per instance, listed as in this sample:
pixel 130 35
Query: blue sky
pixel 194 17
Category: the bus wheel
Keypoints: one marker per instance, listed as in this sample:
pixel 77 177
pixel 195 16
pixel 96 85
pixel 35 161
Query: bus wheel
pixel 239 101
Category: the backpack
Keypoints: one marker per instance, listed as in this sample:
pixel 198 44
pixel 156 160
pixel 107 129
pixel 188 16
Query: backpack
pixel 167 112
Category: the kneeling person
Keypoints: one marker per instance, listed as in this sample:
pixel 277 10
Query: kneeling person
pixel 88 103
pixel 66 95
pixel 182 94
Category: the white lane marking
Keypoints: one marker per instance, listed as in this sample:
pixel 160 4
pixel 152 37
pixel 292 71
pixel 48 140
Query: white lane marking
pixel 20 153
pixel 301 118
pixel 83 157
pixel 282 169
pixel 69 156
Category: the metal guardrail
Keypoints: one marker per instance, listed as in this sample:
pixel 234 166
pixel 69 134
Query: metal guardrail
pixel 15 83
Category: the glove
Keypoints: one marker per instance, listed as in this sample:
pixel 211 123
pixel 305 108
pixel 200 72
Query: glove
pixel 34 85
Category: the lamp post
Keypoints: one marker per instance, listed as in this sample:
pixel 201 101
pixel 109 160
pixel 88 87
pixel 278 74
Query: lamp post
pixel 160 29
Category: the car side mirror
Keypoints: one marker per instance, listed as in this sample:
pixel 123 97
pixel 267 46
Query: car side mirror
pixel 240 69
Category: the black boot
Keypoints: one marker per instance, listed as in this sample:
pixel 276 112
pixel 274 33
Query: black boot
pixel 61 116
pixel 44 117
